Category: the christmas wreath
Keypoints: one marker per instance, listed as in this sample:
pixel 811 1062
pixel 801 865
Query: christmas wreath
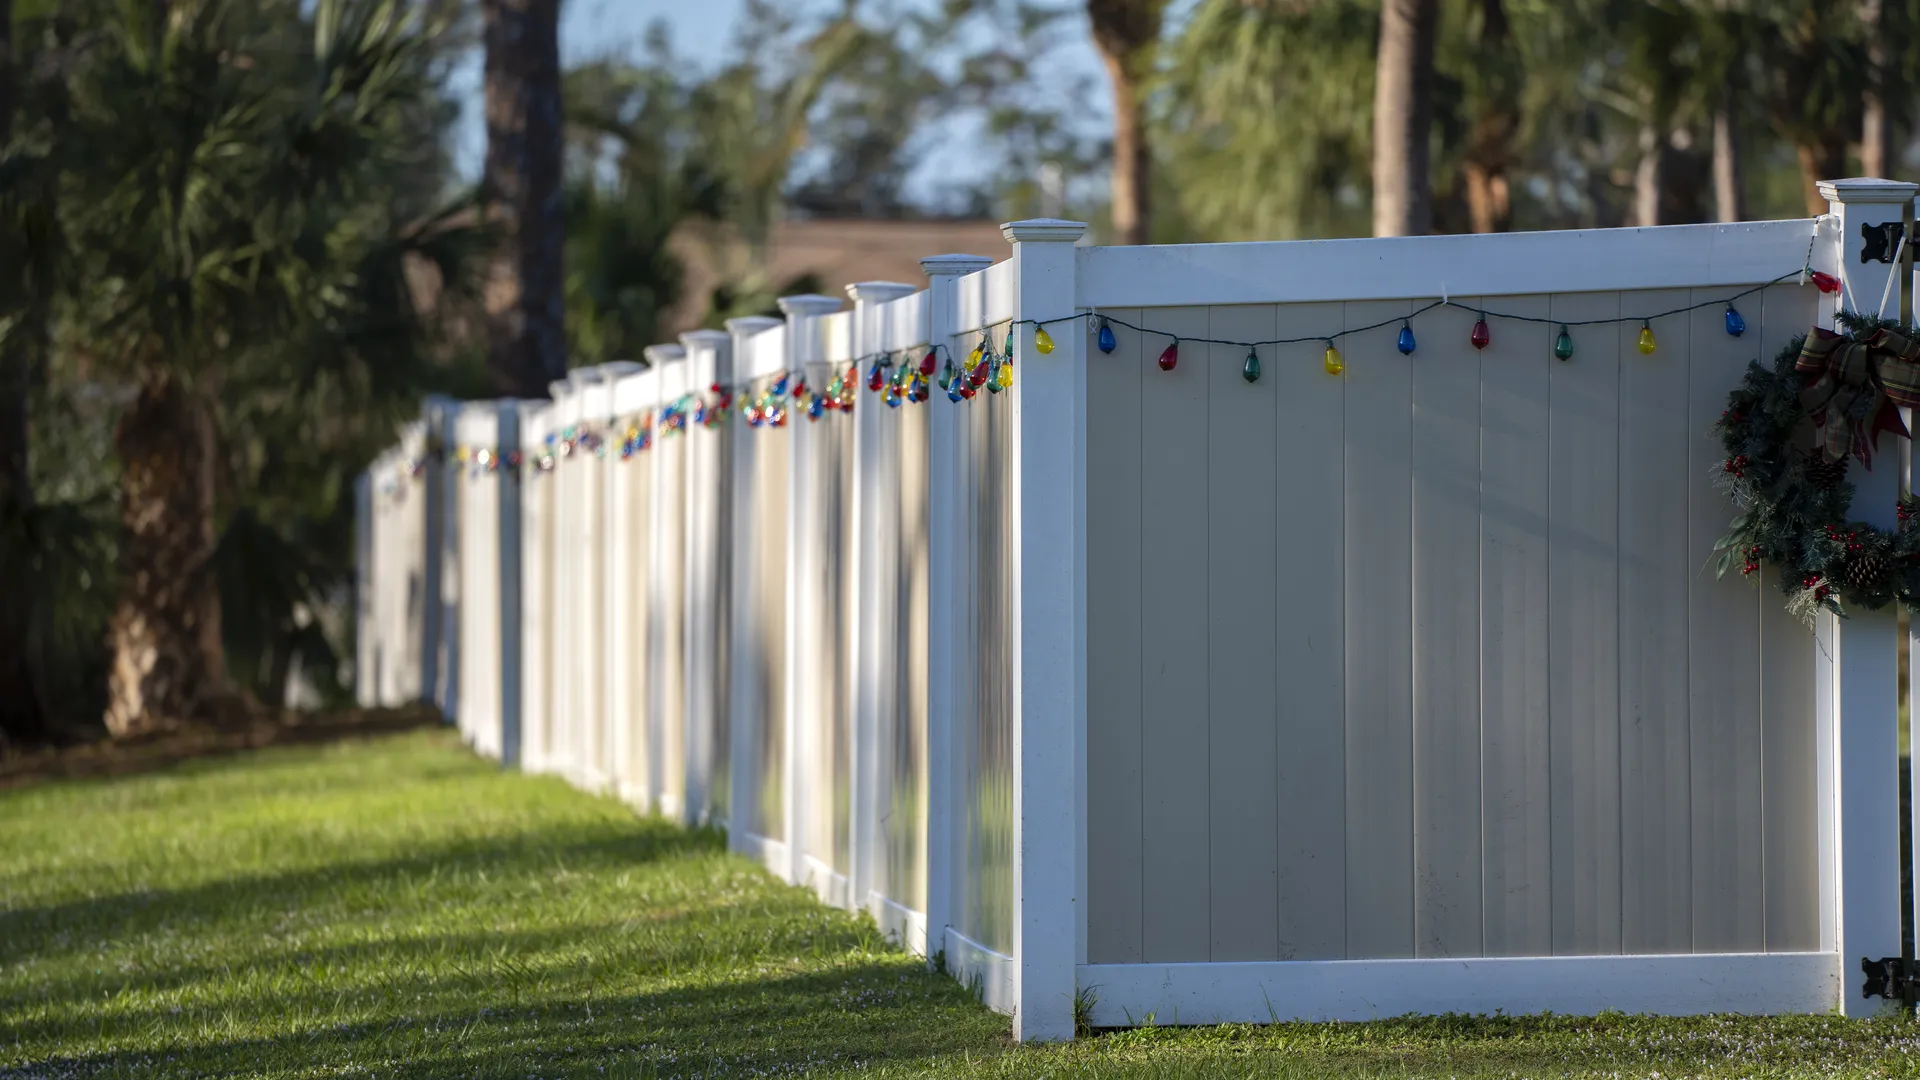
pixel 1789 432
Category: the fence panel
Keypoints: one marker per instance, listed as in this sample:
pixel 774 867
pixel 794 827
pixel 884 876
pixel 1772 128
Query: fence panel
pixel 537 437
pixel 665 724
pixel 630 508
pixel 477 428
pixel 708 575
pixel 1387 657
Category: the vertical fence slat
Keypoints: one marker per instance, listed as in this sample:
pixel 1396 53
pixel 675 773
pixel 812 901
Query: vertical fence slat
pixel 1310 640
pixel 1789 754
pixel 1723 658
pixel 1656 434
pixel 1447 794
pixel 1116 656
pixel 1243 812
pixel 1173 600
pixel 946 625
pixel 1515 468
pixel 1379 647
pixel 1585 631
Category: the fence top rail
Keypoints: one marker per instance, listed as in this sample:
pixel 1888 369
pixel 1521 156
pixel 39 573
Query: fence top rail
pixel 1424 267
pixel 903 322
pixel 836 338
pixel 765 354
pixel 536 419
pixel 635 391
pixel 986 297
pixel 477 423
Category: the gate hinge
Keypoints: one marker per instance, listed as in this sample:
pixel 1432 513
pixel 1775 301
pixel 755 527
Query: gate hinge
pixel 1891 977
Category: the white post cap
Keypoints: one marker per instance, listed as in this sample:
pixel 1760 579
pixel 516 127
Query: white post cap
pixel 1043 230
pixel 878 292
pixel 953 265
pixel 808 304
pixel 663 354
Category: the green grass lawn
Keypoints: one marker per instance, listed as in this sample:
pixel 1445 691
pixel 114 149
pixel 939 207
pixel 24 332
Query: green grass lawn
pixel 397 908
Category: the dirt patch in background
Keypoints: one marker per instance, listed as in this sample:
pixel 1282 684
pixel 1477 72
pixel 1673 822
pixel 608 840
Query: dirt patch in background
pixel 259 728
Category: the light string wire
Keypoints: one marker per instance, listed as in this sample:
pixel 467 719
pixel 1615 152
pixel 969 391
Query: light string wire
pixel 893 358
pixel 1483 312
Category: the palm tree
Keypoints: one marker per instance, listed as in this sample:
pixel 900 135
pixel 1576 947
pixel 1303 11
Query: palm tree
pixel 238 227
pixel 525 150
pixel 1403 119
pixel 1126 32
pixel 1493 80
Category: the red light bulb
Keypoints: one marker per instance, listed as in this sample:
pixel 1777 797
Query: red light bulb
pixel 1170 356
pixel 1481 335
pixel 926 363
pixel 978 376
pixel 1825 282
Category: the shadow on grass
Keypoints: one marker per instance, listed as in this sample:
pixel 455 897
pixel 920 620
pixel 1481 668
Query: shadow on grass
pixel 881 1011
pixel 80 925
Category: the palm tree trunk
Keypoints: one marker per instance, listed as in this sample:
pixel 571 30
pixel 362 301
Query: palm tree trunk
pixel 1403 119
pixel 1130 197
pixel 1125 32
pixel 527 341
pixel 1821 159
pixel 164 635
pixel 1729 180
pixel 22 709
pixel 1490 147
pixel 1646 177
pixel 1874 131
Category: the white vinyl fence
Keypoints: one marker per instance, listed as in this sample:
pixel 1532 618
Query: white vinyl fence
pixel 1325 684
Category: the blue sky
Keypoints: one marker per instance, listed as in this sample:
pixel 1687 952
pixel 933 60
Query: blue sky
pixel 700 31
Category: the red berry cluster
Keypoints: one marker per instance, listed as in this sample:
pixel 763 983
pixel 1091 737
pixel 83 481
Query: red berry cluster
pixel 1753 560
pixel 1903 514
pixel 1737 465
pixel 1852 538
pixel 1812 581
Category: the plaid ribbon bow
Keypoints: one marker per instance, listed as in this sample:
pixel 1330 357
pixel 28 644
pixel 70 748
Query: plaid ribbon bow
pixel 1856 388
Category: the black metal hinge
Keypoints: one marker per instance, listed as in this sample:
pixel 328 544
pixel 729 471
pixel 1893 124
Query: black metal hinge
pixel 1890 977
pixel 1880 240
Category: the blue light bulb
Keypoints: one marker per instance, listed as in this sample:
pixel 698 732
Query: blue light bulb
pixel 1406 339
pixel 1735 324
pixel 780 386
pixel 1106 342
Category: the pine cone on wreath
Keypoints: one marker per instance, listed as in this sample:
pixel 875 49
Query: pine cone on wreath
pixel 1866 571
pixel 1823 474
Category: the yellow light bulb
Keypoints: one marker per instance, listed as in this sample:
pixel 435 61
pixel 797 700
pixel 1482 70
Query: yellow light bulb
pixel 1005 378
pixel 1335 365
pixel 974 356
pixel 1041 341
pixel 1646 339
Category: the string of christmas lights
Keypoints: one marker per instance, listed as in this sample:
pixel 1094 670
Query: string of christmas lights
pixel 906 376
pixel 1479 337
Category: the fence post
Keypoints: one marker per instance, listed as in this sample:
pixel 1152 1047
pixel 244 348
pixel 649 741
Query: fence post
pixel 436 414
pixel 875 449
pixel 562 619
pixel 668 363
pixel 1049 629
pixel 512 629
pixel 704 591
pixel 742 750
pixel 946 600
pixel 363 641
pixel 1865 653
pixel 803 562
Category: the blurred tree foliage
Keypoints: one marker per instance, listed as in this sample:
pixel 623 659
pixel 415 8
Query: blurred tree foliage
pixel 1548 113
pixel 242 245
